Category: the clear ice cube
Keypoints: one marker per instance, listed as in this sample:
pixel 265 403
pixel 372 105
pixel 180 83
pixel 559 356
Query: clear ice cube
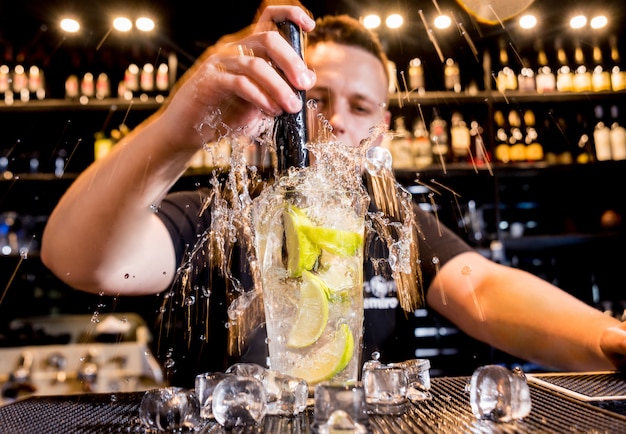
pixel 340 408
pixel 239 401
pixel 285 395
pixel 499 394
pixel 385 388
pixel 169 409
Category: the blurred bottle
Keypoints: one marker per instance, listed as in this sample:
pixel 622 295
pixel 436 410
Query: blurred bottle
pixel 564 74
pixel 452 76
pixel 72 87
pixel 506 78
pixel 501 144
pixel 103 86
pixel 534 148
pixel 517 147
pixel 459 138
pixel 36 83
pixel 618 136
pixel 601 136
pixel 479 154
pixel 422 148
pixel 600 78
pixel 146 78
pixel 393 77
pixel 5 79
pixel 618 74
pixel 526 79
pixel 162 79
pixel 545 79
pixel 555 142
pixel 416 76
pixel 582 74
pixel 102 145
pixel 88 86
pixel 401 146
pixel 439 138
pixel 581 136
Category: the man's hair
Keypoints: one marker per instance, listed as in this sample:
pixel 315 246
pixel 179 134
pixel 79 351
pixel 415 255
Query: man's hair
pixel 346 30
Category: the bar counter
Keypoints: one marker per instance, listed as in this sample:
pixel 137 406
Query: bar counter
pixel 561 403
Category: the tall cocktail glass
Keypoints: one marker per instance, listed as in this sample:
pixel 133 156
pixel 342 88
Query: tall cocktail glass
pixel 309 243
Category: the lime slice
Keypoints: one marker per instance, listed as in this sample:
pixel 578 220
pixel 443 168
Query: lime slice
pixel 301 252
pixel 312 312
pixel 336 241
pixel 329 360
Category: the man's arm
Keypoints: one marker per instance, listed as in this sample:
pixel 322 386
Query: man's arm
pixel 103 235
pixel 525 316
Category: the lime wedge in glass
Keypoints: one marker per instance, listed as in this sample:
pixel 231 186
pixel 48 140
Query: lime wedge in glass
pixel 329 360
pixel 312 312
pixel 301 252
pixel 337 241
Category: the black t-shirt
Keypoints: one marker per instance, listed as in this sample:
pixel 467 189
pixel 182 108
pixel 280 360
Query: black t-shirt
pixel 192 334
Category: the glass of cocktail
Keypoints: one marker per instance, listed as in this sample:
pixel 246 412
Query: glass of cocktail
pixel 309 244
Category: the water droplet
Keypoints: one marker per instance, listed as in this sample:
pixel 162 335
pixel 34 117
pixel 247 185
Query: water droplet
pixel 190 301
pixel 126 276
pixel 311 104
pixel 435 260
pixel 375 355
pixel 466 271
pixel 169 363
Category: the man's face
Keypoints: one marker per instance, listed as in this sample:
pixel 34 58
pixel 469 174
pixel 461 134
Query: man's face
pixel 351 90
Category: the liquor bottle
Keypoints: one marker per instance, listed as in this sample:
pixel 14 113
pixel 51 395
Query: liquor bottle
pixel 439 138
pixel 517 147
pixel 582 74
pixel 479 154
pixel 459 138
pixel 103 86
pixel 416 76
pixel 36 83
pixel 401 146
pixel 422 148
pixel 501 149
pixel 581 137
pixel 506 78
pixel 526 79
pixel 617 136
pixel 545 80
pixel 564 74
pixel 601 136
pixel 600 77
pixel 618 74
pixel 452 76
pixel 534 149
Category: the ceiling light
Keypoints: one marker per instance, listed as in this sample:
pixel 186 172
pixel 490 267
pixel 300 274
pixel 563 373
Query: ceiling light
pixel 70 25
pixel 528 21
pixel 442 22
pixel 578 22
pixel 122 24
pixel 371 21
pixel 598 22
pixel 145 24
pixel 394 21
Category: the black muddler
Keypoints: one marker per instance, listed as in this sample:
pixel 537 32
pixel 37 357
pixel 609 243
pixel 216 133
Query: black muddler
pixel 290 131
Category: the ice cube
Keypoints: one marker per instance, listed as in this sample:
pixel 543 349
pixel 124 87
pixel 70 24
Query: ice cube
pixel 205 385
pixel 285 395
pixel 169 409
pixel 340 408
pixel 238 401
pixel 418 376
pixel 499 394
pixel 385 388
